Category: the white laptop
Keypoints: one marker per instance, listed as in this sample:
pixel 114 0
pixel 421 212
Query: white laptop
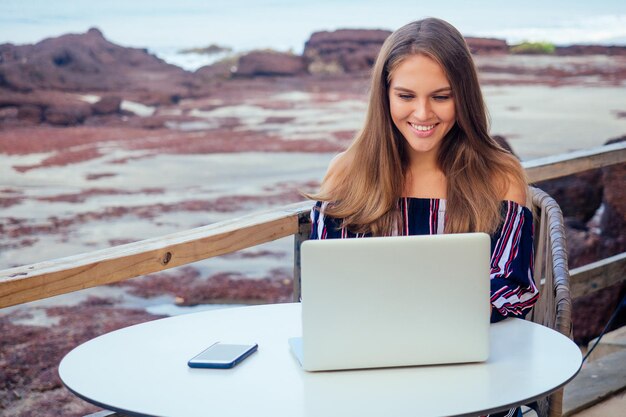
pixel 394 301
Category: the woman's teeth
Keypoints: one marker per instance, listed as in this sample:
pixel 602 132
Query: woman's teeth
pixel 422 128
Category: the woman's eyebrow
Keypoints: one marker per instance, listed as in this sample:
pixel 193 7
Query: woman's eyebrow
pixel 441 90
pixel 408 90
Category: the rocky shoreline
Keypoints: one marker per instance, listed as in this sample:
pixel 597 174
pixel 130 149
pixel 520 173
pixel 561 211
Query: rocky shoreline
pixel 96 134
pixel 36 80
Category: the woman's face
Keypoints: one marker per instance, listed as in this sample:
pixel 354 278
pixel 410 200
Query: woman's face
pixel 421 103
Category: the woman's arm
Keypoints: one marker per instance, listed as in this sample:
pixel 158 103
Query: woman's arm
pixel 513 290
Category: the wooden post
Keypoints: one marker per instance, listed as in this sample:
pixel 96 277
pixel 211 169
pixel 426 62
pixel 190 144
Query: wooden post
pixel 304 230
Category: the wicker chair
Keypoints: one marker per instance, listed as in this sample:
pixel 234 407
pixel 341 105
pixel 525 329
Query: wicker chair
pixel 554 307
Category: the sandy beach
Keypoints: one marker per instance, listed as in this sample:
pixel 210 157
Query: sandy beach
pixel 68 190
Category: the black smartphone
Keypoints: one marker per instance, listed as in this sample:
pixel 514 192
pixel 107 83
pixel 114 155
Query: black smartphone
pixel 222 356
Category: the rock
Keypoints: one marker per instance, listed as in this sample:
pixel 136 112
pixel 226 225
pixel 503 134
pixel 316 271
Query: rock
pixel 153 122
pixel 583 246
pixel 55 107
pixel 107 105
pixel 344 50
pixel 487 46
pixel 356 50
pixel 88 62
pixel 590 313
pixel 579 195
pixel 269 63
pixel 10 98
pixel 612 50
pixel 9 112
pixel 30 112
pixel 152 98
pixel 67 115
pixel 613 219
pixel 603 238
pixel 220 70
pixel 209 50
pixel 594 206
pixel 31 354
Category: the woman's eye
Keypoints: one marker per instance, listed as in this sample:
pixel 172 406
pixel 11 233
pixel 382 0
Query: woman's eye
pixel 441 98
pixel 405 96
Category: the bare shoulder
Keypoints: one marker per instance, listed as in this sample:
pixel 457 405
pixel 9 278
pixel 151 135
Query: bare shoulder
pixel 337 165
pixel 515 191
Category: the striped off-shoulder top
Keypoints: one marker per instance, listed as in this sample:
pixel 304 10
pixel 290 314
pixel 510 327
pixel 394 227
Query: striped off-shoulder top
pixel 513 290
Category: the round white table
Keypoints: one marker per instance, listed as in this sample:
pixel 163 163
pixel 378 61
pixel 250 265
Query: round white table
pixel 142 370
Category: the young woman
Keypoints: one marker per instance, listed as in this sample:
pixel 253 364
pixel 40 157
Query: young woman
pixel 424 163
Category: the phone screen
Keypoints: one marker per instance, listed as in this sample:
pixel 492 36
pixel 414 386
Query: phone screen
pixel 222 355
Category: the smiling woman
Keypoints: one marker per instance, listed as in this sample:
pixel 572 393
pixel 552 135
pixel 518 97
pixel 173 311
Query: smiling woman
pixel 421 104
pixel 424 164
pixel 425 136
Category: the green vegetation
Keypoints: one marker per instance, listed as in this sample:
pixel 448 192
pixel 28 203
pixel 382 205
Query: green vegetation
pixel 533 48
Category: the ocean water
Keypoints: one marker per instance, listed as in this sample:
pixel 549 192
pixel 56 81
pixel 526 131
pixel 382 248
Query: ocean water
pixel 166 26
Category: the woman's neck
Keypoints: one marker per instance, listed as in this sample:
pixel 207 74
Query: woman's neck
pixel 425 181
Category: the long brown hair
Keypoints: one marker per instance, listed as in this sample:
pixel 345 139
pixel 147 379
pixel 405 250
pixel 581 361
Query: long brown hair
pixel 364 192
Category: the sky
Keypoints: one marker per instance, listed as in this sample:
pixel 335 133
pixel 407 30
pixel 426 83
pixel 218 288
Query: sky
pixel 285 25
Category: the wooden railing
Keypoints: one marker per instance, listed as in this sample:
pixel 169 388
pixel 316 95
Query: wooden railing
pixel 46 279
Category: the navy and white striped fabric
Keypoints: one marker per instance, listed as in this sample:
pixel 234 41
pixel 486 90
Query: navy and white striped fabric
pixel 513 290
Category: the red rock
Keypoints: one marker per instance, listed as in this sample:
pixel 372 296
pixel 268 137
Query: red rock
pixel 88 62
pixel 153 97
pixel 221 70
pixel 154 122
pixel 583 246
pixel 613 220
pixel 344 50
pixel 55 107
pixel 590 313
pixel 355 36
pixel 67 115
pixel 579 195
pixel 612 50
pixel 9 112
pixel 487 46
pixel 267 63
pixel 29 381
pixel 107 105
pixel 30 113
pixel 227 288
pixel 355 50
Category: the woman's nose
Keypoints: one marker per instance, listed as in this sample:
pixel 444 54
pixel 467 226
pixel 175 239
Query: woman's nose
pixel 422 110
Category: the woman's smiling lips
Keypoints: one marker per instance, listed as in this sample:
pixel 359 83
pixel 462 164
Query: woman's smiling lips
pixel 421 130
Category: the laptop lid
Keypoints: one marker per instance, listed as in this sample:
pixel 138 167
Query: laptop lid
pixel 394 301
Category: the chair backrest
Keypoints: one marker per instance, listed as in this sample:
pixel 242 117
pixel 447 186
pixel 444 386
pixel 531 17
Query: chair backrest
pixel 554 307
